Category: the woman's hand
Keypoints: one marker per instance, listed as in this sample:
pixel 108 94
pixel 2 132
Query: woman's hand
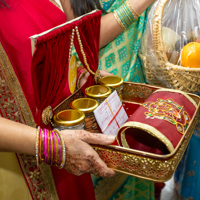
pixel 81 157
pixel 85 77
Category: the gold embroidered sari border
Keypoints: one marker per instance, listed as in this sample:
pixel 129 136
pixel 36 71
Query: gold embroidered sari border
pixel 149 129
pixel 15 87
pixel 178 91
pixel 46 172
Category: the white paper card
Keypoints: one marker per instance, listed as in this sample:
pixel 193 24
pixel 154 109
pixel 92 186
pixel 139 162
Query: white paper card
pixel 110 115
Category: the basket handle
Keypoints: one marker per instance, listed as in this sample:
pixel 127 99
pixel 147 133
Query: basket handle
pixel 157 32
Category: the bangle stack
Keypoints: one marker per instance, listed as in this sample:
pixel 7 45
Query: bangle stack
pixel 50 148
pixel 125 15
pixel 81 71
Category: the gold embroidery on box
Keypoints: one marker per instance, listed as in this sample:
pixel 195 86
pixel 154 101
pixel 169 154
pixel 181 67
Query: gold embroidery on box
pixel 169 111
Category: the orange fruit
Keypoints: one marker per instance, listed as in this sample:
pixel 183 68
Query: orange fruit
pixel 198 40
pixel 190 55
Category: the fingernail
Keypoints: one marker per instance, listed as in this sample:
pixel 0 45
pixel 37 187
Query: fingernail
pixel 110 138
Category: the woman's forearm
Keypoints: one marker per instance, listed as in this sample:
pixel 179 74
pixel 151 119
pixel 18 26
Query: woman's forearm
pixel 16 137
pixel 110 28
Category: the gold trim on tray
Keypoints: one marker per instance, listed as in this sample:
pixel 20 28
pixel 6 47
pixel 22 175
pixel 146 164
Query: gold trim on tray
pixel 178 91
pixel 149 129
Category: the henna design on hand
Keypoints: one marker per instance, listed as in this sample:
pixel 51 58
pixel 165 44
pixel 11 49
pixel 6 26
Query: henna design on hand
pixel 81 157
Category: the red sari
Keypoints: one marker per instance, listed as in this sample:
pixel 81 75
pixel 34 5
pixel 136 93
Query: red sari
pixel 18 22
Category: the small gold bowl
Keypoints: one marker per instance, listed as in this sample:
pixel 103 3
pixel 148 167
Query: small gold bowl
pixel 69 119
pixel 98 92
pixel 87 105
pixel 114 82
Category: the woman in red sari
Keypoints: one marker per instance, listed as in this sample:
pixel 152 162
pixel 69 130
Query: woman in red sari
pixel 21 19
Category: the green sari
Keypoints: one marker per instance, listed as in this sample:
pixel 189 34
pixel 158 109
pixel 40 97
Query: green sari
pixel 120 57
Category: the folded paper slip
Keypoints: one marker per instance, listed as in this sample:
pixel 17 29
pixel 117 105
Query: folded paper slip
pixel 158 125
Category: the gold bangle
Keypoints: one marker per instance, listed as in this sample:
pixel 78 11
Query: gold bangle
pixel 80 77
pixel 134 13
pixel 63 149
pixel 41 146
pixel 56 153
pixel 51 147
pixel 45 139
pixel 119 20
pixel 36 146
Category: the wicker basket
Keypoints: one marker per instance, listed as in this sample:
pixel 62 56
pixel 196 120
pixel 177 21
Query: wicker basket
pixel 167 74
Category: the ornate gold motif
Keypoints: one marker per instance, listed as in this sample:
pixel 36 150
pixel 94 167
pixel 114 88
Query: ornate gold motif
pixel 47 115
pixel 13 106
pixel 169 111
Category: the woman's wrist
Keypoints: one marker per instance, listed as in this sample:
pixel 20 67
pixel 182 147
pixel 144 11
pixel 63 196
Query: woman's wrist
pixel 126 15
pixel 50 148
pixel 81 71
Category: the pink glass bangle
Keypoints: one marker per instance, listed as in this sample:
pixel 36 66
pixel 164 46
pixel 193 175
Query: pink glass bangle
pixel 49 148
pixel 81 71
pixel 53 147
pixel 44 141
pixel 39 148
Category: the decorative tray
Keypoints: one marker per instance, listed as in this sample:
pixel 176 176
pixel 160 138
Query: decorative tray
pixel 149 166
